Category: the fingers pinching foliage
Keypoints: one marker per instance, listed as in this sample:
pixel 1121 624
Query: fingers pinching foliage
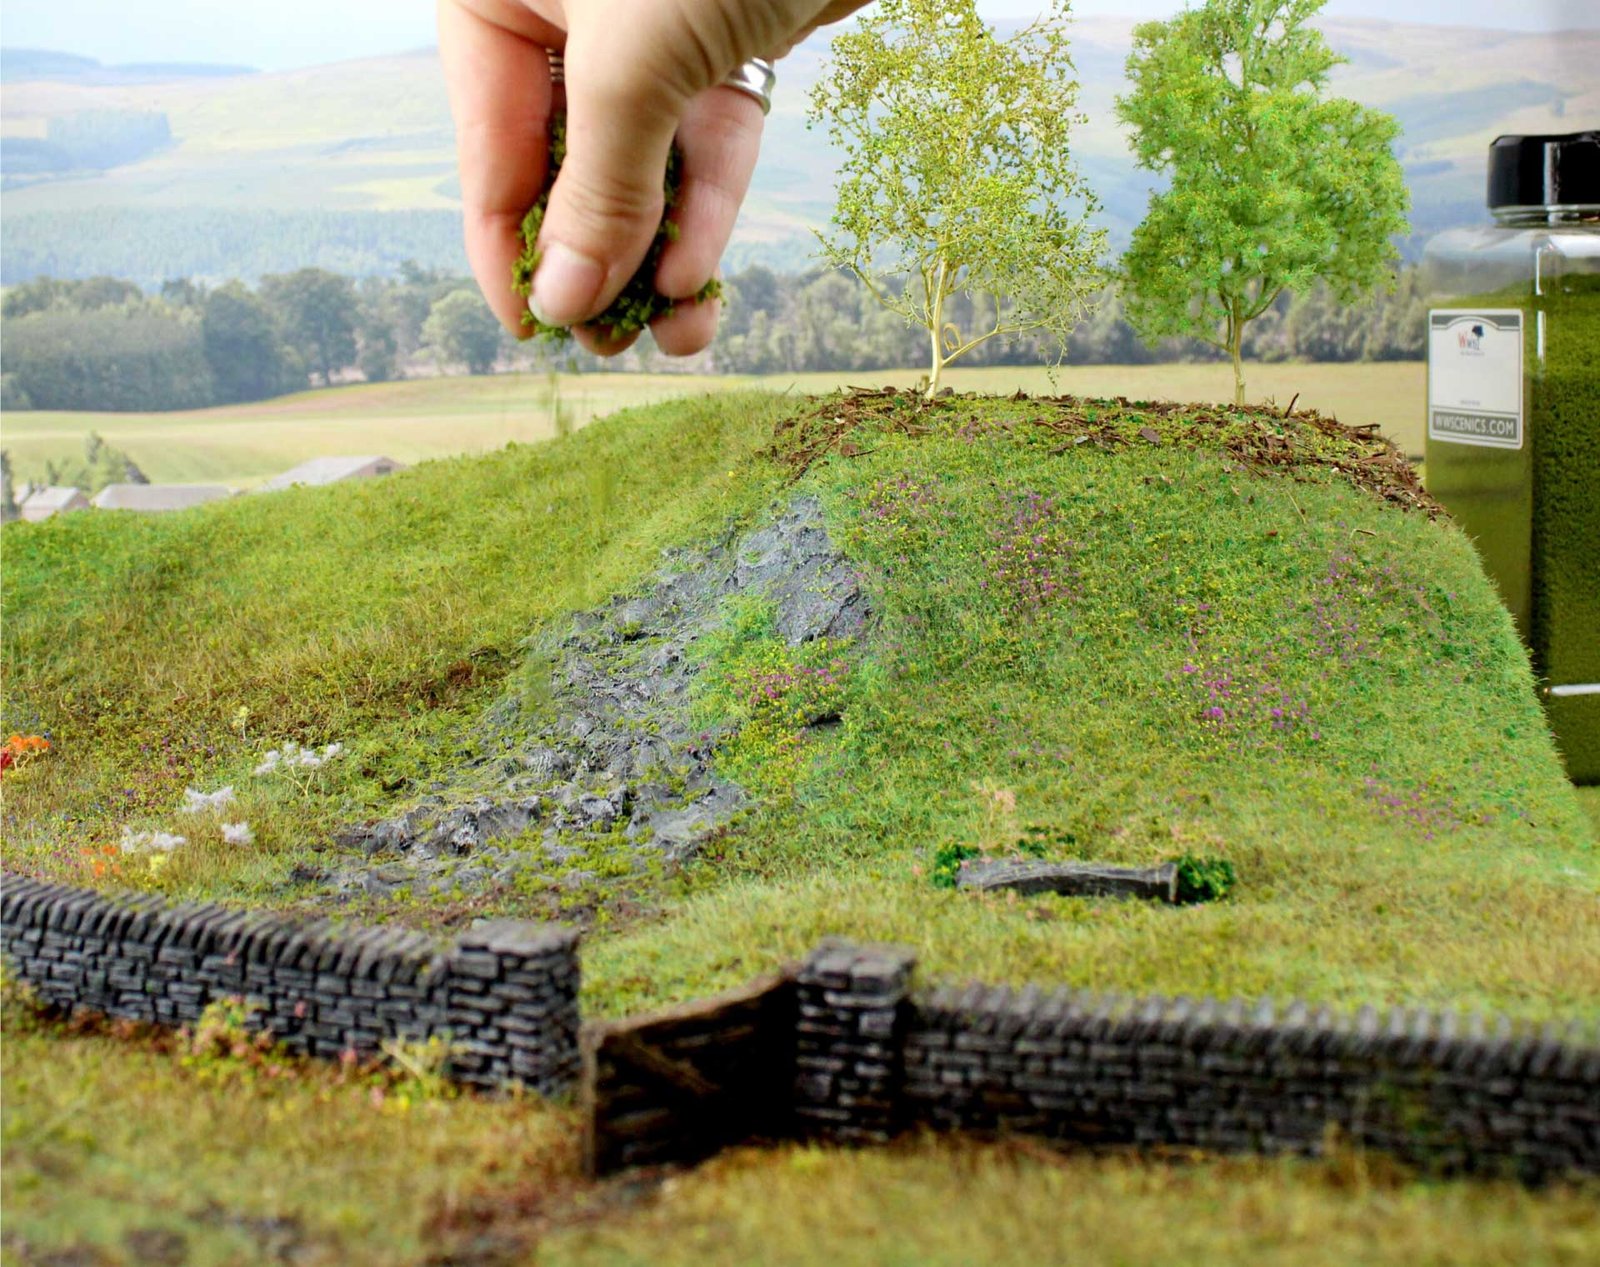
pixel 1271 185
pixel 957 177
pixel 640 302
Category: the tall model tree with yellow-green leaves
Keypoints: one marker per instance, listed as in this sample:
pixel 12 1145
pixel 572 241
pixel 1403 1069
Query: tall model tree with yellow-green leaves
pixel 956 176
pixel 1272 185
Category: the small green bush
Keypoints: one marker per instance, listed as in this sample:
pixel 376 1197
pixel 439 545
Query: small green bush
pixel 1203 879
pixel 947 860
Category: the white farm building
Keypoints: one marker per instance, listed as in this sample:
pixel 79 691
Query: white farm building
pixel 332 471
pixel 157 497
pixel 41 503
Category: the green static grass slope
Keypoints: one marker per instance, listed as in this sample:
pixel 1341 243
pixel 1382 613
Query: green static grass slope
pixel 1102 633
pixel 1064 595
pixel 162 652
pixel 1119 645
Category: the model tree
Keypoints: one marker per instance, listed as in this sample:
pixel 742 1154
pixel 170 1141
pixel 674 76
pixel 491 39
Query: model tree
pixel 956 175
pixel 1271 183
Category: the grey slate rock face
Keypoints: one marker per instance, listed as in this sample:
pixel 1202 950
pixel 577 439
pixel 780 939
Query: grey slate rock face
pixel 614 748
pixel 505 994
pixel 1070 879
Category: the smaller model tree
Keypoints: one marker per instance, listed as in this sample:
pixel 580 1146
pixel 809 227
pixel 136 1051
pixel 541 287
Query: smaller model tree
pixel 956 176
pixel 1272 185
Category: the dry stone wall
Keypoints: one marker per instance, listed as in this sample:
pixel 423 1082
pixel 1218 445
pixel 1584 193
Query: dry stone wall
pixel 844 1048
pixel 505 993
pixel 1455 1094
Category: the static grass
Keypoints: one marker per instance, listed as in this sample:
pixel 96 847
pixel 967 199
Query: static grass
pixel 119 1153
pixel 1589 798
pixel 1122 650
pixel 216 1168
pixel 167 651
pixel 1405 835
pixel 944 1202
pixel 1123 655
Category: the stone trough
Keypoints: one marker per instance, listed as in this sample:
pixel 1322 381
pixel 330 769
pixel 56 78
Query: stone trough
pixel 1070 879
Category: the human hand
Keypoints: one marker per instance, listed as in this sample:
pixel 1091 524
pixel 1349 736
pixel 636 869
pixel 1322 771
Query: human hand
pixel 638 73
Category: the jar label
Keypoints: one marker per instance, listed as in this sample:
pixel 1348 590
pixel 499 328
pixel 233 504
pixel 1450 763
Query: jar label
pixel 1475 376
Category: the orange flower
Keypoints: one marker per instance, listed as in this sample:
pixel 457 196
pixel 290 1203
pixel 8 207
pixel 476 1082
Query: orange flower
pixel 17 747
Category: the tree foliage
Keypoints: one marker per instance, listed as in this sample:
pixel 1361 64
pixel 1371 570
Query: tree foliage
pixel 243 347
pixel 45 294
pixel 1271 184
pixel 956 172
pixel 108 346
pixel 135 357
pixel 317 313
pixel 461 330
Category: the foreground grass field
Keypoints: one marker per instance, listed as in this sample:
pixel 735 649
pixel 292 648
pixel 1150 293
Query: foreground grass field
pixel 1061 594
pixel 118 1153
pixel 428 418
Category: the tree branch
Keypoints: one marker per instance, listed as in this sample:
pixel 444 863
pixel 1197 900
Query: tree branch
pixel 999 328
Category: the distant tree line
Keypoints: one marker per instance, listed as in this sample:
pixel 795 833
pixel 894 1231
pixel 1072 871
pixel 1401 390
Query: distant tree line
pixel 103 343
pixel 826 321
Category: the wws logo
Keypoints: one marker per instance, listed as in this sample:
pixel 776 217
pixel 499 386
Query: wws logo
pixel 1470 340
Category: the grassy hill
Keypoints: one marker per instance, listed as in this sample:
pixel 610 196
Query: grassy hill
pixel 241 445
pixel 351 165
pixel 1103 630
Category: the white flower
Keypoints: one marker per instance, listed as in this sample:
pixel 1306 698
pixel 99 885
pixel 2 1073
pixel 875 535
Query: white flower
pixel 200 802
pixel 145 841
pixel 309 757
pixel 238 834
pixel 292 754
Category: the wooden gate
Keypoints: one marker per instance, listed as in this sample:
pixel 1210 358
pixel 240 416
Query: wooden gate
pixel 675 1086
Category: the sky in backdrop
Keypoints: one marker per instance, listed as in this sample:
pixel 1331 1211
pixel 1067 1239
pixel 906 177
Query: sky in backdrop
pixel 280 34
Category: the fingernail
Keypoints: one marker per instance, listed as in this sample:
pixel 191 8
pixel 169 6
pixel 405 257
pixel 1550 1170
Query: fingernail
pixel 565 286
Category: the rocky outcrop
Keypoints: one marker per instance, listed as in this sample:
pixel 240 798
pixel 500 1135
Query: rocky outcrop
pixel 612 752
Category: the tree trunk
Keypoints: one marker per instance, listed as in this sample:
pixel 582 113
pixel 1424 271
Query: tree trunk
pixel 1235 344
pixel 936 331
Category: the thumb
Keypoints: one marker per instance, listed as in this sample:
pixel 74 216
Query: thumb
pixel 606 203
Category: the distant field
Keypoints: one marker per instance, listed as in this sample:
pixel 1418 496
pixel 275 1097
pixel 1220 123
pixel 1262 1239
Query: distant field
pixel 428 418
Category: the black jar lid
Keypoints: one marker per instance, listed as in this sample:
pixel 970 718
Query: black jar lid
pixel 1545 171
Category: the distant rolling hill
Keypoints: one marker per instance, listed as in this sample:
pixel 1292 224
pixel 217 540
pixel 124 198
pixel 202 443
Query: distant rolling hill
pixel 351 165
pixel 26 65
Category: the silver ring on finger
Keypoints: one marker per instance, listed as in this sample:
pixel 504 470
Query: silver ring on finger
pixel 756 78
